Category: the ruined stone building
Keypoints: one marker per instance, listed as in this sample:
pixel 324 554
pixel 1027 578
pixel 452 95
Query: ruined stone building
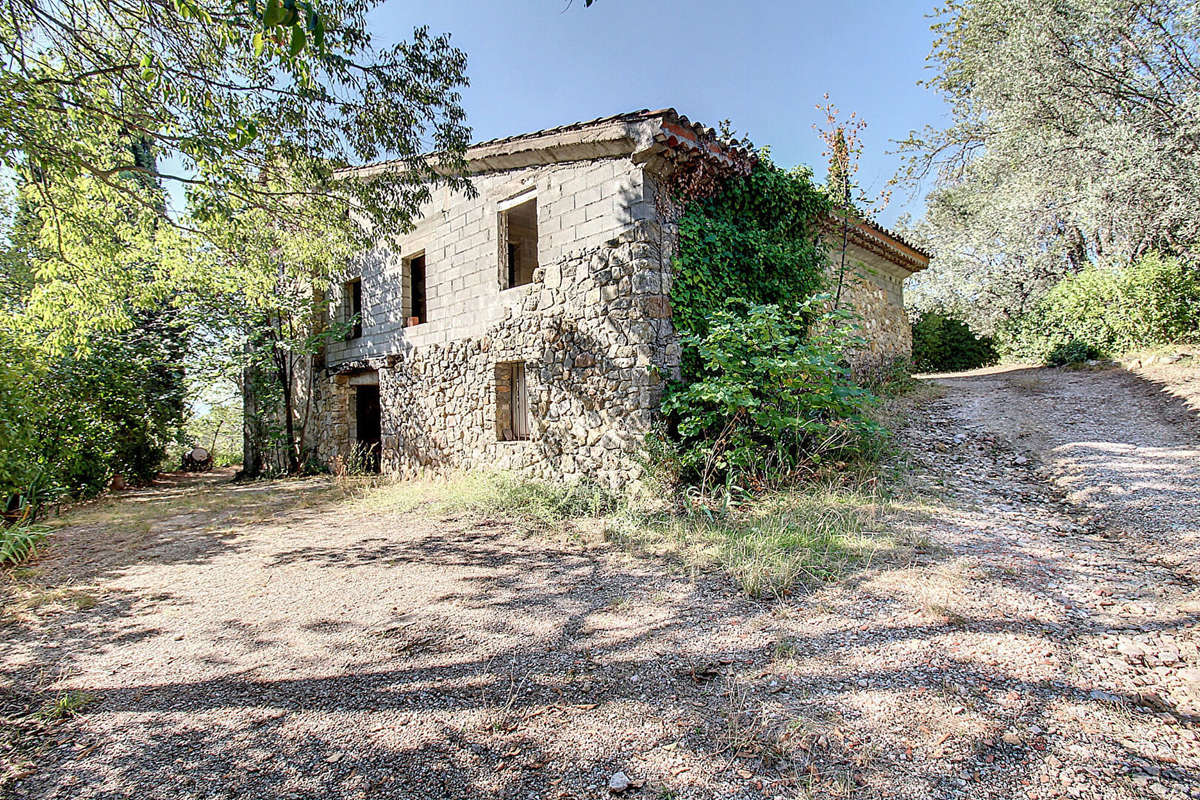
pixel 529 327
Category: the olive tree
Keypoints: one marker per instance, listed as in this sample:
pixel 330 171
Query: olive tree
pixel 1073 140
pixel 245 109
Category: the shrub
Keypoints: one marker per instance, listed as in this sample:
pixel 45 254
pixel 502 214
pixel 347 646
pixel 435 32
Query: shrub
pixel 943 343
pixel 19 542
pixel 20 468
pixel 1072 352
pixel 1103 311
pixel 68 422
pixel 769 403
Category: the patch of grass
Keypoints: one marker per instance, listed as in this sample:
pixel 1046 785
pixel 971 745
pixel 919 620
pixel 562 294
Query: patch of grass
pixel 772 545
pixel 36 598
pixel 19 543
pixel 787 648
pixel 623 603
pixel 66 705
pixel 948 615
pixel 486 493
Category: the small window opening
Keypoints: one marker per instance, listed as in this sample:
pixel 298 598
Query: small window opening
pixel 416 290
pixel 512 402
pixel 353 295
pixel 519 237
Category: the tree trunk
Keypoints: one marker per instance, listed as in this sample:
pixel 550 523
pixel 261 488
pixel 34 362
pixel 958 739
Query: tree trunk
pixel 258 403
pixel 252 432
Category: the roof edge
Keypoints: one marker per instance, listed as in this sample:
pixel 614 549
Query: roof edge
pixel 638 134
pixel 885 243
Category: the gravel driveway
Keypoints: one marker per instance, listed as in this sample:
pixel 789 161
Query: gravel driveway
pixel 273 640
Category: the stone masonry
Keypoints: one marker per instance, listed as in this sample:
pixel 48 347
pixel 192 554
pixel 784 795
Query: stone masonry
pixel 597 346
pixel 873 287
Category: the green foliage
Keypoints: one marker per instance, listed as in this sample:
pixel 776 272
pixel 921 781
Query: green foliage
pixel 1107 312
pixel 772 547
pixel 944 343
pixel 893 377
pixel 69 422
pixel 837 184
pixel 19 430
pixel 253 111
pixel 93 377
pixel 229 94
pixel 1070 141
pixel 1072 352
pixel 114 408
pixel 769 403
pixel 755 240
pixel 760 402
pixel 66 705
pixel 19 542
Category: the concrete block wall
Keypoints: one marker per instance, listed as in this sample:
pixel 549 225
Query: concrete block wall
pixel 580 205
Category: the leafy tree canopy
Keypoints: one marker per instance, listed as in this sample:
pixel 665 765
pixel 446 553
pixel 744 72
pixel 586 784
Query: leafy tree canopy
pixel 1072 141
pixel 248 106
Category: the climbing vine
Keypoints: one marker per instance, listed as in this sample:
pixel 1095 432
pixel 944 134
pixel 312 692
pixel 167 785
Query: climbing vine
pixel 755 239
pixel 761 401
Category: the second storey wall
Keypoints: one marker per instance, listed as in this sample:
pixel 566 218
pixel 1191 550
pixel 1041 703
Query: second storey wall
pixel 580 206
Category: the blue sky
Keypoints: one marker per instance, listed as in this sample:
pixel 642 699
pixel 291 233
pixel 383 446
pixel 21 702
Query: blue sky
pixel 763 65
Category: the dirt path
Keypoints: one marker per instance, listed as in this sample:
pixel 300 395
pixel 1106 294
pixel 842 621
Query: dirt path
pixel 277 641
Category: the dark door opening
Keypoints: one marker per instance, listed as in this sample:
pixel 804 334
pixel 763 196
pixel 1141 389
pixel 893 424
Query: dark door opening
pixel 367 426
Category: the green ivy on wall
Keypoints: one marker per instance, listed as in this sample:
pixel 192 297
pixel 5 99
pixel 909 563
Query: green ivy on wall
pixel 755 240
pixel 762 401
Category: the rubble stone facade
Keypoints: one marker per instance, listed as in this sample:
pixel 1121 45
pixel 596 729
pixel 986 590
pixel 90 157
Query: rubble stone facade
pixel 874 288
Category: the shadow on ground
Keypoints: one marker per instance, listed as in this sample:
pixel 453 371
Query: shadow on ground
pixel 267 641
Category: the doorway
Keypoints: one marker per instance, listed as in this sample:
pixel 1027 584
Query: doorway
pixel 367 425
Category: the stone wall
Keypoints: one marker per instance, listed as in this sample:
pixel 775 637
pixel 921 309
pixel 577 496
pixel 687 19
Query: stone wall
pixel 874 287
pixel 597 342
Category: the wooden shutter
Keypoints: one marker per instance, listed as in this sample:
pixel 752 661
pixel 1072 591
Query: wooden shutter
pixel 519 402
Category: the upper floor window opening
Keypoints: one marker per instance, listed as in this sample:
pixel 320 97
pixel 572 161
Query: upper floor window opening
pixel 414 268
pixel 353 302
pixel 518 244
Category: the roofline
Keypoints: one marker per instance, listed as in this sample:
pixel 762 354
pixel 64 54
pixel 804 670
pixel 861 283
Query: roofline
pixel 881 241
pixel 641 135
pixel 659 139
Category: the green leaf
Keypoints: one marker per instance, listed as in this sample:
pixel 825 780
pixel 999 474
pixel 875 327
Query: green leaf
pixel 258 44
pixel 319 35
pixel 273 14
pixel 298 40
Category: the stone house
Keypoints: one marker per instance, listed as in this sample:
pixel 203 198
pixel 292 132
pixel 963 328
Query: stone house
pixel 529 327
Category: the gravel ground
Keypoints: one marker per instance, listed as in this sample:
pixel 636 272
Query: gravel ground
pixel 275 641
